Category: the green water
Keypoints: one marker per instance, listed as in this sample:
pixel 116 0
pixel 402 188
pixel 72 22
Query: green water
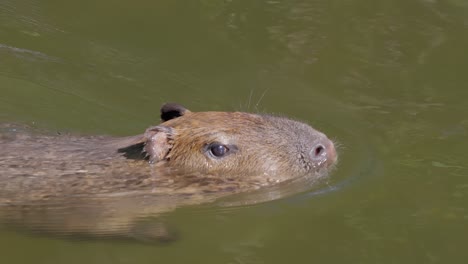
pixel 386 79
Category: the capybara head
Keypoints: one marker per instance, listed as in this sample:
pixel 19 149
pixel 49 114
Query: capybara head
pixel 238 143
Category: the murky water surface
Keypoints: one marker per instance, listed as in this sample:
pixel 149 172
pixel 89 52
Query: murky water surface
pixel 386 79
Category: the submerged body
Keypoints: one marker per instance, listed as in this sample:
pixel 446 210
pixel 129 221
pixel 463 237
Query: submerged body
pixel 104 185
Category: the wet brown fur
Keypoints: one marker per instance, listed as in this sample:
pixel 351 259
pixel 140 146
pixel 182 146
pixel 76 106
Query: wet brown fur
pixel 103 185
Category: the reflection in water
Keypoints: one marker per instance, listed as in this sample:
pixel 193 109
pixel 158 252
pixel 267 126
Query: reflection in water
pixel 26 54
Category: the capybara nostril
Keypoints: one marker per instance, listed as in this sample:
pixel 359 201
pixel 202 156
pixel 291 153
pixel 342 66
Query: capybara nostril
pixel 318 153
pixel 323 153
pixel 319 150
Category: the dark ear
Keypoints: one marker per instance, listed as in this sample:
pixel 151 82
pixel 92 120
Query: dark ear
pixel 158 143
pixel 172 110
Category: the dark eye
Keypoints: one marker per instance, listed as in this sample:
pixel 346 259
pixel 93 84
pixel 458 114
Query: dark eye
pixel 218 150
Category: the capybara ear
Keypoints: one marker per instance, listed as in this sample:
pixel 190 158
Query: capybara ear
pixel 158 142
pixel 172 110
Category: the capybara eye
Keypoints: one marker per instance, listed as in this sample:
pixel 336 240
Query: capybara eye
pixel 218 150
